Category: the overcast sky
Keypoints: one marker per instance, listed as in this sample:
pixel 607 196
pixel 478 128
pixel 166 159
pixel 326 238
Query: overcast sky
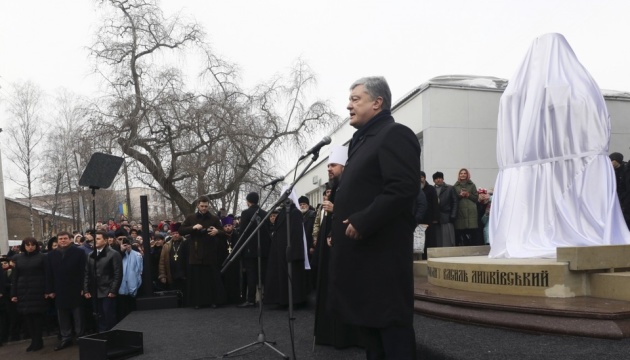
pixel 407 41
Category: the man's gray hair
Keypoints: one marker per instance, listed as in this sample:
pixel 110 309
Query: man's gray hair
pixel 376 86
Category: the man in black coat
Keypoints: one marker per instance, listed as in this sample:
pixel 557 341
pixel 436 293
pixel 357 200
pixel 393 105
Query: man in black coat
pixel 250 219
pixel 431 216
pixel 448 201
pixel 281 257
pixel 103 276
pixel 204 256
pixel 65 285
pixel 371 263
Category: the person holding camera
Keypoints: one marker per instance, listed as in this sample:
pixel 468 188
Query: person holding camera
pixel 205 284
pixel 466 222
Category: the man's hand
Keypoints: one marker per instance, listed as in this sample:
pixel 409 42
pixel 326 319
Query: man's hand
pixel 163 280
pixel 328 206
pixel 111 295
pixel 51 295
pixel 198 227
pixel 87 295
pixel 351 232
pixel 14 299
pixel 329 241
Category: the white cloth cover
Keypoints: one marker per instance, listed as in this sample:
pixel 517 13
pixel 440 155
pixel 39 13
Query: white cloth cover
pixel 556 185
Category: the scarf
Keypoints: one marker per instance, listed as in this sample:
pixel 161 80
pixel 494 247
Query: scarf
pixel 358 135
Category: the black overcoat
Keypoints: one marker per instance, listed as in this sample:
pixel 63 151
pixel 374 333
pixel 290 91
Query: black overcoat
pixel 371 279
pixel 67 274
pixel 276 281
pixel 29 282
pixel 203 248
pixel 251 249
pixel 103 272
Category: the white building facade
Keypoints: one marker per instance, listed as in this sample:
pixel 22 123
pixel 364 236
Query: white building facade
pixel 455 120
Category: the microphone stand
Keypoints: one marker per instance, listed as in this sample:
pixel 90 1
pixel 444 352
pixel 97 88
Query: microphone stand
pixel 284 198
pixel 287 206
pixel 230 259
pixel 320 245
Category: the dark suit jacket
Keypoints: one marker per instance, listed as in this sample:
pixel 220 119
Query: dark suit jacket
pixel 251 249
pixel 371 279
pixel 67 277
pixel 103 273
pixel 433 211
pixel 448 204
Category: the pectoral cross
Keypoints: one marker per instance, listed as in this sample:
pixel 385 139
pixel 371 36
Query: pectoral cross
pixel 175 257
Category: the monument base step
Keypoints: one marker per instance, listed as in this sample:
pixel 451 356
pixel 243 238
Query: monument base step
pixel 579 316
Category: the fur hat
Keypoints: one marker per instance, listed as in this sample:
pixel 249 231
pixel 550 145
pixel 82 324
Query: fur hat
pixel 121 232
pixel 252 197
pixel 175 226
pixel 616 156
pixel 304 200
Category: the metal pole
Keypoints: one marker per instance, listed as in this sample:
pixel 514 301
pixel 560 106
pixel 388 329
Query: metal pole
pixel 4 226
pixel 147 274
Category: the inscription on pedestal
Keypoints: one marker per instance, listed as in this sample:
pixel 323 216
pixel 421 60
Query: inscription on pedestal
pixel 497 277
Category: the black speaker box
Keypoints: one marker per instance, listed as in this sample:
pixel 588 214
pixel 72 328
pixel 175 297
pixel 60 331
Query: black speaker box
pixel 100 171
pixel 157 302
pixel 113 345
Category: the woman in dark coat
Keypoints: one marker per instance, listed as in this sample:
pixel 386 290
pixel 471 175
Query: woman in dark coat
pixel 28 289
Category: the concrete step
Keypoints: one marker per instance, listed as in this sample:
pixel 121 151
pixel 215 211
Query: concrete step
pixel 580 316
pixel 614 285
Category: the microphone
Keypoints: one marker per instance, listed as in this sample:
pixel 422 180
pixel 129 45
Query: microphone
pixel 274 181
pixel 325 141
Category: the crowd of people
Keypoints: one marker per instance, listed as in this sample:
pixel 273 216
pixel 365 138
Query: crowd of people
pixel 455 215
pixel 79 283
pixel 354 250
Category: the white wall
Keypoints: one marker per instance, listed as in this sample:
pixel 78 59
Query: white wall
pixel 457 128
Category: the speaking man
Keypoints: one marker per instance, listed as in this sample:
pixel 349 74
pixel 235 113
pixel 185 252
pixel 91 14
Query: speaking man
pixel 371 263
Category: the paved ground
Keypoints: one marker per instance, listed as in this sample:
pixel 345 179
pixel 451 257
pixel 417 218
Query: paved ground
pixel 210 333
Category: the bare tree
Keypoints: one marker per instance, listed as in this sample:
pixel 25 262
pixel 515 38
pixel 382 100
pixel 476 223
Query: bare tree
pixel 25 110
pixel 187 143
pixel 64 142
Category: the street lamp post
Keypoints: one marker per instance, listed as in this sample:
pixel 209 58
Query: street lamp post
pixel 4 229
